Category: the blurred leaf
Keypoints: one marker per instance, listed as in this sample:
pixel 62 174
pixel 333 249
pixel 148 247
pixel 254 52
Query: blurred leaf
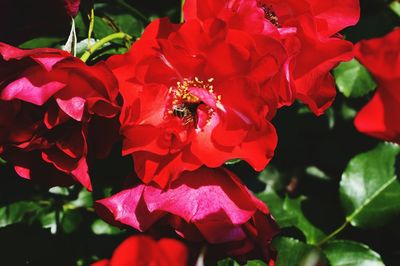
pixel 347 112
pixel 84 200
pixel 49 221
pixel 42 42
pixel 99 227
pixel 21 211
pixel 233 161
pixel 2 161
pixel 71 220
pixel 228 262
pixel 344 252
pixel 395 6
pixel 303 110
pixel 369 190
pixel 330 114
pixel 295 253
pixel 273 178
pixel 353 79
pixel 316 172
pixel 63 191
pixel 255 263
pixel 288 213
pixel 107 192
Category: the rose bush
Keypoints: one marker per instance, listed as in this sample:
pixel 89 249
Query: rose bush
pixel 152 133
pixel 51 103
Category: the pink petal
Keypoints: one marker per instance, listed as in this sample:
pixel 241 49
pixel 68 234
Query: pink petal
pixel 24 90
pixel 74 107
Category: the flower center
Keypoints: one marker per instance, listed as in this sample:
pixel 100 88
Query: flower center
pixel 269 14
pixel 193 101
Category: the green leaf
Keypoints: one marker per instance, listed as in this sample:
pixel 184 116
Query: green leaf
pixel 330 115
pixel 347 112
pixel 62 191
pixel 81 26
pixel 273 178
pixel 344 253
pixel 317 173
pixel 21 211
pixel 295 253
pixel 255 263
pixel 99 227
pixel 42 42
pixel 84 200
pixel 395 6
pixel 303 110
pixel 288 213
pixel 226 262
pixel 353 79
pixel 71 221
pixel 101 28
pixel 369 190
pixel 2 161
pixel 277 209
pixel 49 220
pixel 128 24
pixel 121 19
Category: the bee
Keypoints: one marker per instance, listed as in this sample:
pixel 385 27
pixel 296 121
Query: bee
pixel 270 14
pixel 187 112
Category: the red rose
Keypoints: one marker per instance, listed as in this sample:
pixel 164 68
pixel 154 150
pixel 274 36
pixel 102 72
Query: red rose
pixel 209 205
pixel 380 117
pixel 192 97
pixel 143 250
pixel 308 29
pixel 50 102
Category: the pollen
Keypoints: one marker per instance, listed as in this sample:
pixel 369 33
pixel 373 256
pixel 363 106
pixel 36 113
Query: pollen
pixel 270 14
pixel 184 104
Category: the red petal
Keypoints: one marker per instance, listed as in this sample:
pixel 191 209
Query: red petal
pixel 335 15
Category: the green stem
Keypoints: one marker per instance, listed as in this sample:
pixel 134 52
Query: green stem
pixel 133 10
pixel 91 26
pixel 182 16
pixel 333 234
pixel 100 43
